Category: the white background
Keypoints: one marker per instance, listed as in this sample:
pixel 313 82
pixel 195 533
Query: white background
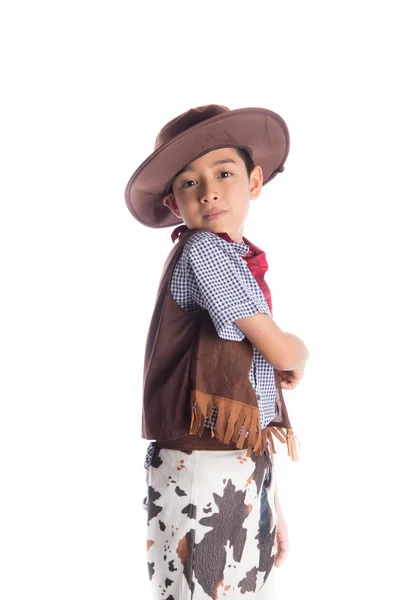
pixel 85 89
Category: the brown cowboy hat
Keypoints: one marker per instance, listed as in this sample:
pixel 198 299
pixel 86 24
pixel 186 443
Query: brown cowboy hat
pixel 190 135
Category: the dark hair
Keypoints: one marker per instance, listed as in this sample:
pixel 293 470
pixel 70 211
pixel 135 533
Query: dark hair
pixel 247 159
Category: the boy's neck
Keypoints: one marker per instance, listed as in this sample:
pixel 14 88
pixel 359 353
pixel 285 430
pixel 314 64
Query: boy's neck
pixel 235 237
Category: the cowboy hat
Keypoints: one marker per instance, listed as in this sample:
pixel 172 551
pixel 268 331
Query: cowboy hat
pixel 190 135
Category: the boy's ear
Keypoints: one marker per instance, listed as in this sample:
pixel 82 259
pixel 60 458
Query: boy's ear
pixel 256 181
pixel 169 200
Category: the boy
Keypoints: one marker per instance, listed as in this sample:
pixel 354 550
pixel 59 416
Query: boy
pixel 214 357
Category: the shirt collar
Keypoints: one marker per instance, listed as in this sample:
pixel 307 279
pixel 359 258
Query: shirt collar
pixel 241 248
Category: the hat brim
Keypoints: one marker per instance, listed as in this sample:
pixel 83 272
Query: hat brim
pixel 259 129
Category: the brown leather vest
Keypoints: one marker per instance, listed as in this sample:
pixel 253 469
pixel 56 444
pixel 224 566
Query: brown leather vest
pixel 189 369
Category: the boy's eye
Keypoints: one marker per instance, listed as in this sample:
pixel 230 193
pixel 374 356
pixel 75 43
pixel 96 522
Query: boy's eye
pixel 226 173
pixel 188 181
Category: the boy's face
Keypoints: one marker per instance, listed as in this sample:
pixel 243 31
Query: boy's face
pixel 214 193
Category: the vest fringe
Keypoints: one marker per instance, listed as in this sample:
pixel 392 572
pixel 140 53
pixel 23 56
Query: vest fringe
pixel 239 424
pixel 234 421
pixel 288 438
pixel 292 448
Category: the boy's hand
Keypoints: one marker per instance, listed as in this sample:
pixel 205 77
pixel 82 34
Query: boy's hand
pixel 281 542
pixel 289 379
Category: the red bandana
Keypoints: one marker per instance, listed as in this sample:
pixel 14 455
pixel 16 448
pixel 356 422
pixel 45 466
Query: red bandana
pixel 255 259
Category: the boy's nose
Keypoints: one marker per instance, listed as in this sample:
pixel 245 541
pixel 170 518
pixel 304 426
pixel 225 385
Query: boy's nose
pixel 212 197
pixel 208 193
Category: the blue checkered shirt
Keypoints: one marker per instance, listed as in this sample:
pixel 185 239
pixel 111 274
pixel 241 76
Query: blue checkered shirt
pixel 211 274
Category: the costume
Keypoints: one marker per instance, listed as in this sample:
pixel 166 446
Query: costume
pixel 175 351
pixel 211 514
pixel 191 281
pixel 211 525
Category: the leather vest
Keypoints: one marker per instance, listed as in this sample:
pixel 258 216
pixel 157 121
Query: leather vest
pixel 189 369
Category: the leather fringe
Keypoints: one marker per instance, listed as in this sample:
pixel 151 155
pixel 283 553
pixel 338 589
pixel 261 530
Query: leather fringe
pixel 234 421
pixel 288 438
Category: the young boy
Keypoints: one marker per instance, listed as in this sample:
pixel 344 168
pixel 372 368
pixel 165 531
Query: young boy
pixel 215 359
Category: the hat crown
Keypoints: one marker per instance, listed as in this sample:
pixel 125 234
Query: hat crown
pixel 188 119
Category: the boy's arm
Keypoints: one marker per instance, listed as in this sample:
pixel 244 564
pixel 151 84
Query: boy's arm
pixel 284 351
pixel 219 284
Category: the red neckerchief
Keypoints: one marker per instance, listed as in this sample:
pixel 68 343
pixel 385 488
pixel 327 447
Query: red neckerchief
pixel 255 259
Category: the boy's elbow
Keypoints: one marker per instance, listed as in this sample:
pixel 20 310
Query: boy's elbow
pixel 296 353
pixel 284 351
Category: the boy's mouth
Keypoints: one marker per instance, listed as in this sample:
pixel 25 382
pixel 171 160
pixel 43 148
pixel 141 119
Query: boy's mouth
pixel 215 215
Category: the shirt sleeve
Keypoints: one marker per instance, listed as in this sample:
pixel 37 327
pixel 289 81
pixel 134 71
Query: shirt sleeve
pixel 221 283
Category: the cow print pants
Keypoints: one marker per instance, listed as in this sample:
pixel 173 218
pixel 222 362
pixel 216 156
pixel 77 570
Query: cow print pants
pixel 211 524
